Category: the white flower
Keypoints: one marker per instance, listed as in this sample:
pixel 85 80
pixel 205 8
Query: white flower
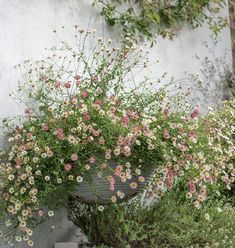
pixel 101 208
pixel 30 243
pixel 36 149
pixel 44 155
pixel 32 129
pixel 114 199
pixel 24 153
pixel 59 180
pixel 11 190
pixel 50 213
pixel 138 171
pixel 102 112
pixel 25 237
pixel 18 239
pixel 79 179
pixel 29 232
pixel 70 177
pixel 8 223
pixel 24 212
pixel 11 177
pixel 11 139
pixel 219 210
pixel 47 178
pixel 71 139
pixel 207 216
pixel 38 173
pixel 22 190
pixel 22 224
pixel 35 160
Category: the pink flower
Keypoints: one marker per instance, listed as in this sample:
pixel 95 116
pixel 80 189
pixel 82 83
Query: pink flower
pixel 129 113
pixel 29 135
pixel 195 113
pixel 18 163
pixel 74 100
pixel 203 190
pixel 170 172
pixel 192 134
pixel 166 111
pixel 99 102
pixel 59 133
pixel 45 127
pixel 67 85
pixel 127 149
pixel 125 120
pixel 182 130
pixel 28 112
pixel 42 77
pixel 57 84
pixel 169 182
pixel 135 116
pixel 112 183
pixel 181 162
pixel 166 134
pixel 127 154
pixel 133 185
pixel 96 133
pixel 190 157
pixel 74 157
pixel 18 129
pixel 112 187
pixel 201 197
pixel 101 141
pixel 85 93
pixel 68 167
pixel 86 117
pixel 40 212
pixel 118 170
pixel 192 187
pixel 77 77
pixel 92 160
pixel 120 141
pixel 182 148
pixel 94 78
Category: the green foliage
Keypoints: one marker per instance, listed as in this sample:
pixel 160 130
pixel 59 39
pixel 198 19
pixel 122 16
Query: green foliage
pixel 162 17
pixel 172 222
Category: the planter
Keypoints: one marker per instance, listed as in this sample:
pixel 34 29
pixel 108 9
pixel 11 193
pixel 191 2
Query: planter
pixel 97 190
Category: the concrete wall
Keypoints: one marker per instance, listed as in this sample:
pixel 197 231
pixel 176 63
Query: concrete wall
pixel 26 29
pixel 232 27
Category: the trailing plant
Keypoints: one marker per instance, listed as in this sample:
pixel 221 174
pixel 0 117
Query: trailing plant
pixel 80 117
pixel 161 17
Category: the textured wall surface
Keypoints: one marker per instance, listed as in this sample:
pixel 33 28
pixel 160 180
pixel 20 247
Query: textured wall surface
pixel 232 27
pixel 26 29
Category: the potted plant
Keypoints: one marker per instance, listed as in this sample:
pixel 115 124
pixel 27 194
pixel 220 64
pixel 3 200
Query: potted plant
pixel 83 132
pixel 86 133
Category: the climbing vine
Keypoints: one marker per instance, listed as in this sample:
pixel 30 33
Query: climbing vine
pixel 149 18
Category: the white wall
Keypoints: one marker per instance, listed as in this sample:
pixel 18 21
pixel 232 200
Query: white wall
pixel 26 29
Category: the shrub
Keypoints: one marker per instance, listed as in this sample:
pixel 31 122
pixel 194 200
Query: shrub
pixel 171 222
